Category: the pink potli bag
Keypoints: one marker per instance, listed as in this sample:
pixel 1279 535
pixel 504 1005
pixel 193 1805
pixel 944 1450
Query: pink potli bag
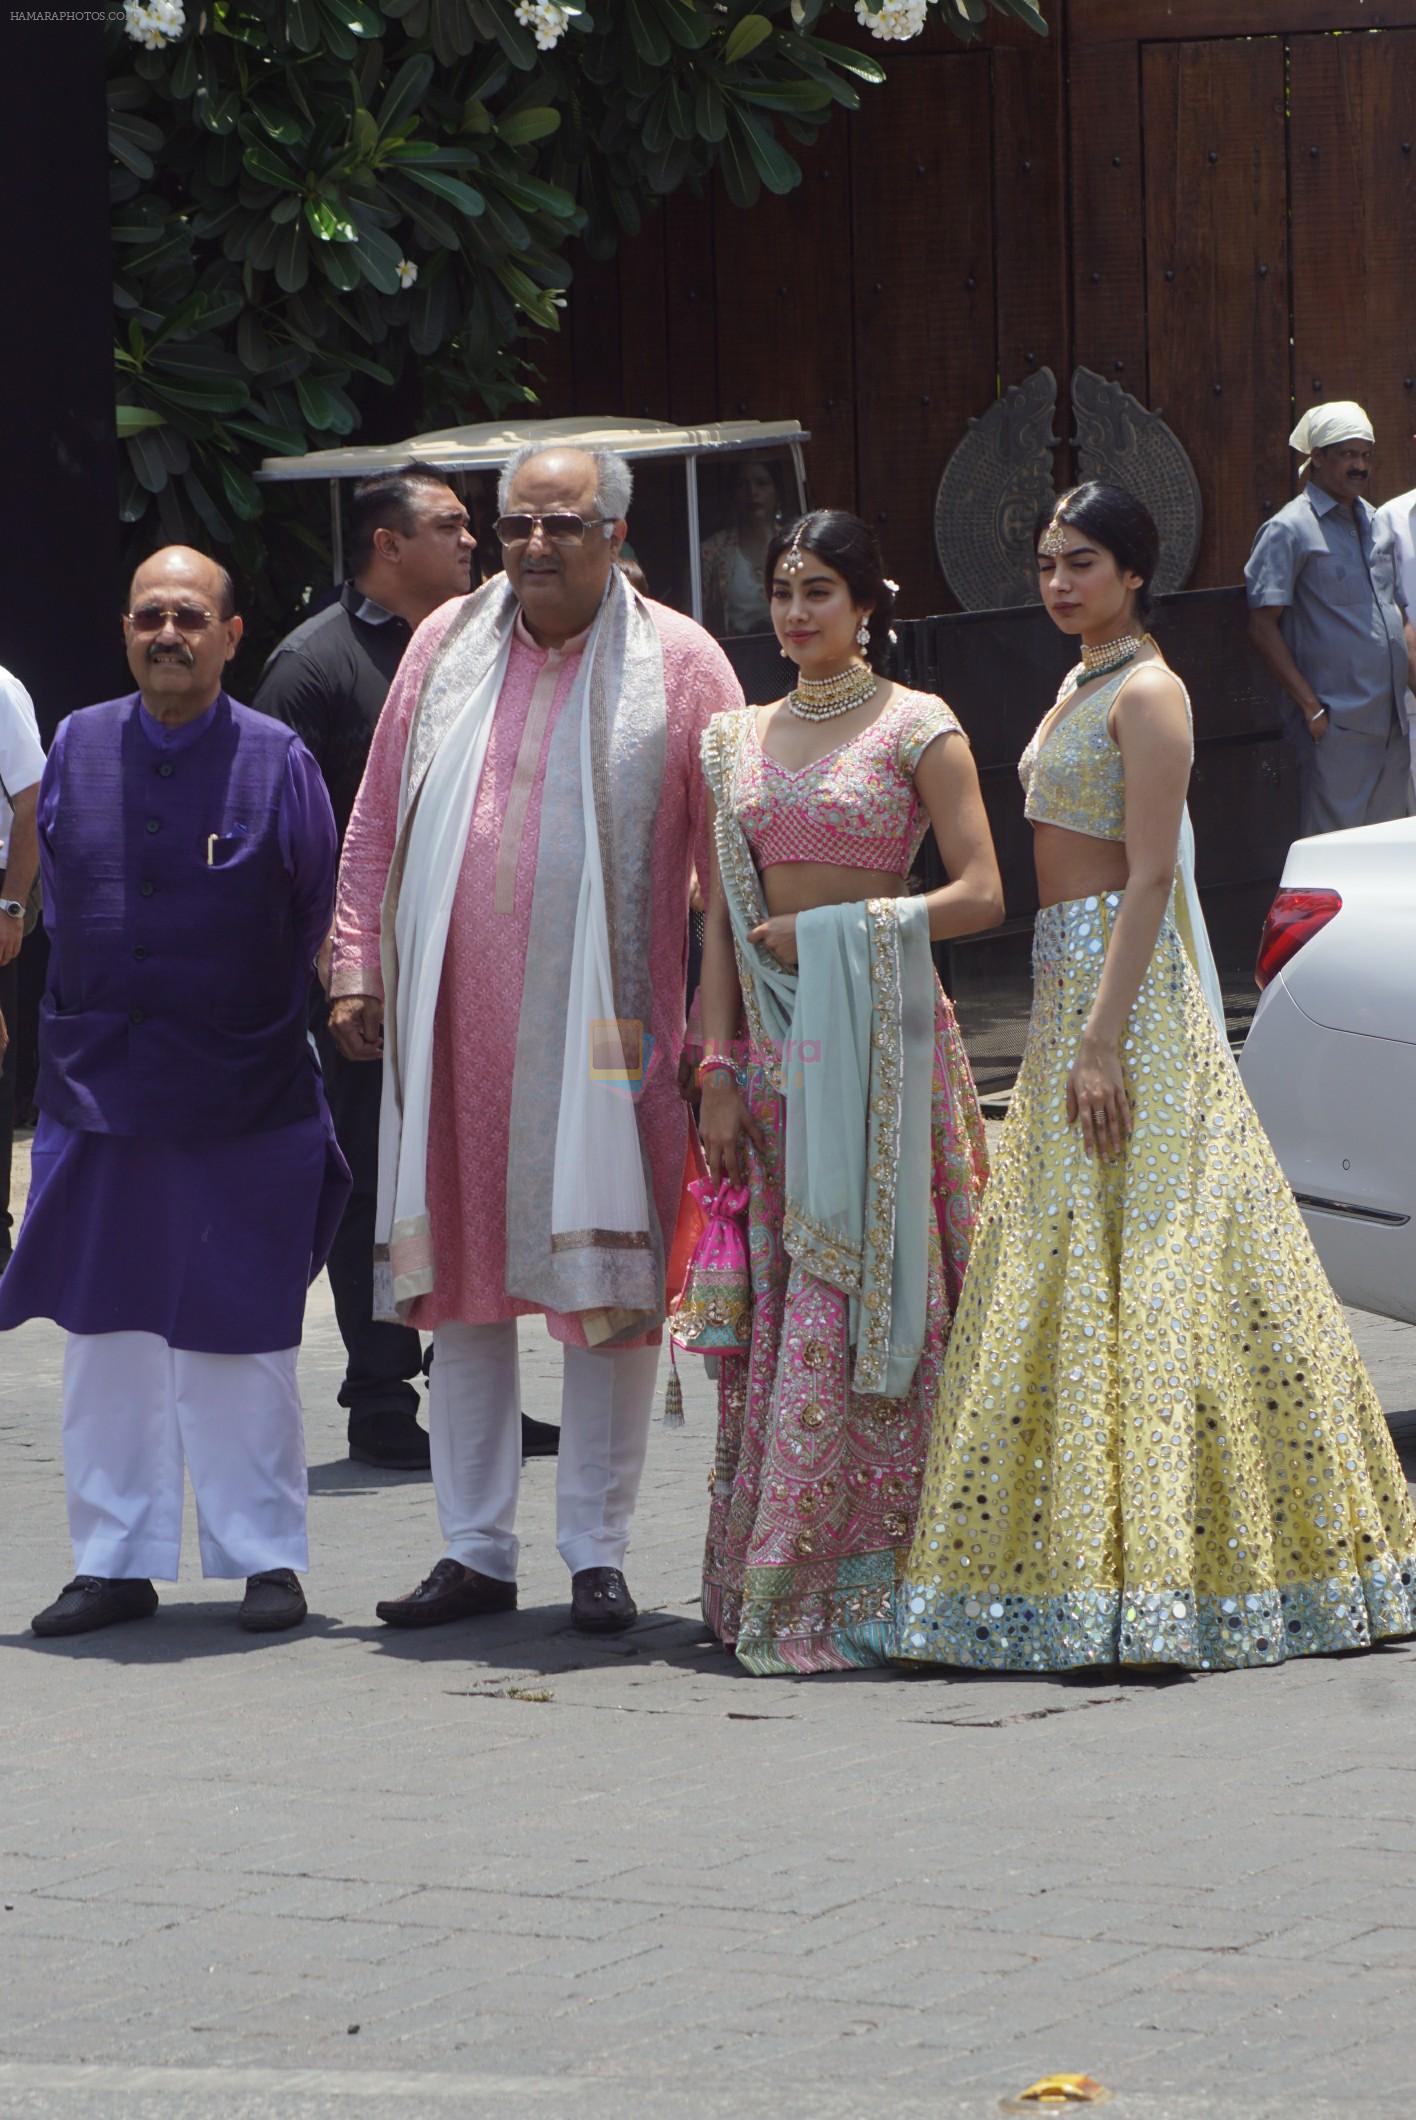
pixel 712 1314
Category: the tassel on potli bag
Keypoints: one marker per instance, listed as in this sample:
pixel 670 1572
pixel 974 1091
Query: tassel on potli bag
pixel 673 1394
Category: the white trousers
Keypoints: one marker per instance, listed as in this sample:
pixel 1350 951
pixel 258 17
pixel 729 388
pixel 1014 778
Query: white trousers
pixel 134 1409
pixel 474 1418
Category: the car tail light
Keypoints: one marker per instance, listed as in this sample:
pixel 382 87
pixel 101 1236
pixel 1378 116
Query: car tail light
pixel 1293 919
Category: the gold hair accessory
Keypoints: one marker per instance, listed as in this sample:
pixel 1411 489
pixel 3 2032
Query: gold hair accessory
pixel 793 563
pixel 1054 538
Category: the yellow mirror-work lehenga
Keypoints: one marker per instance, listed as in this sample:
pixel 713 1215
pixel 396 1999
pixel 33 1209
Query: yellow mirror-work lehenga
pixel 1155 1439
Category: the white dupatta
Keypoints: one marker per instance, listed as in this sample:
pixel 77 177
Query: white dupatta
pixel 599 1199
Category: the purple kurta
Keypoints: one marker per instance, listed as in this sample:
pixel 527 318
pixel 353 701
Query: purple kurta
pixel 210 1242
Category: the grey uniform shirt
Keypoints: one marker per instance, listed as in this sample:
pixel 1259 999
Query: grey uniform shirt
pixel 1336 577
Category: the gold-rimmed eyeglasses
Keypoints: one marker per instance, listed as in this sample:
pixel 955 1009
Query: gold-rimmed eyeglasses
pixel 561 527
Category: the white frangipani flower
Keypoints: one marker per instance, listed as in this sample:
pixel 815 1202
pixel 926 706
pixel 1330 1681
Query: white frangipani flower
pixel 893 20
pixel 154 23
pixel 548 20
pixel 407 272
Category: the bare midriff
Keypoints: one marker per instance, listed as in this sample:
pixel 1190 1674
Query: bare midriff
pixel 797 886
pixel 1074 865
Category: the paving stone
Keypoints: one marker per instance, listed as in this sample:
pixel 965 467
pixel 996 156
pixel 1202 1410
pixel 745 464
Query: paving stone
pixel 669 1888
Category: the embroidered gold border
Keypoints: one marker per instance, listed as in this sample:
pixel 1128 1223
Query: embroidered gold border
pixel 872 1360
pixel 600 1240
pixel 723 743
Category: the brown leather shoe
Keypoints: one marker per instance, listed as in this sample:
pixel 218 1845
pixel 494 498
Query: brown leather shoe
pixel 92 1601
pixel 273 1601
pixel 600 1602
pixel 450 1592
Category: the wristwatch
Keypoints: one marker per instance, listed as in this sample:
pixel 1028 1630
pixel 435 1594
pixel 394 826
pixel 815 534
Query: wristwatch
pixel 14 907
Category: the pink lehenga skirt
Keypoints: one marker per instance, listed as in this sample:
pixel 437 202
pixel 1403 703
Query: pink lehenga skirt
pixel 815 1486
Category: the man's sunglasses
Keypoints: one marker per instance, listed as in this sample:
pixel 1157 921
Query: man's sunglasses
pixel 561 529
pixel 187 618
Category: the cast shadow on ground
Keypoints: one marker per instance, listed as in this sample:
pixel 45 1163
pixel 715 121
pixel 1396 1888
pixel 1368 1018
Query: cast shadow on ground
pixel 177 1634
pixel 538 1642
pixel 340 1476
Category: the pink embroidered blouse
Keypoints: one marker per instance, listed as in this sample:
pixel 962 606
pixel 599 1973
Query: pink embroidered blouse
pixel 856 807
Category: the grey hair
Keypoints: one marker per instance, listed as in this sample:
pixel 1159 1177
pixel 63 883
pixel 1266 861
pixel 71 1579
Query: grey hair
pixel 614 481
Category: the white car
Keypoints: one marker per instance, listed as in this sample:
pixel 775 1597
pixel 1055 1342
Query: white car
pixel 1330 1060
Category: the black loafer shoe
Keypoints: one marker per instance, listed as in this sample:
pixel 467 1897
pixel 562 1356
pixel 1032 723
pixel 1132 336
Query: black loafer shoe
pixel 539 1438
pixel 92 1601
pixel 272 1602
pixel 450 1592
pixel 392 1440
pixel 600 1602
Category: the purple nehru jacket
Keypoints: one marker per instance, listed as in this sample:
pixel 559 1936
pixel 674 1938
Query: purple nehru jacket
pixel 185 1178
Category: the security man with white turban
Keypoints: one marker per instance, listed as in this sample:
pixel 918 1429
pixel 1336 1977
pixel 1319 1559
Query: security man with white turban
pixel 1327 614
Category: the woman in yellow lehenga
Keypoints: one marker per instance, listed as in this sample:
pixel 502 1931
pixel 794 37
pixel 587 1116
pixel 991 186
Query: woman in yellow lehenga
pixel 1155 1440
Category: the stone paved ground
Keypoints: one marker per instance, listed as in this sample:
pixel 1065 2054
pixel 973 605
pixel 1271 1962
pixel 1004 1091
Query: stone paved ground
pixel 500 1869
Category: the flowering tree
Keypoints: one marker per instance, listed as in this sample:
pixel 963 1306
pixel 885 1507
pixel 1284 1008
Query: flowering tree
pixel 309 195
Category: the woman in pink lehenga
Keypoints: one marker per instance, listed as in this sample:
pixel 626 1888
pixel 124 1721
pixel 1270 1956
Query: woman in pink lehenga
pixel 835 1082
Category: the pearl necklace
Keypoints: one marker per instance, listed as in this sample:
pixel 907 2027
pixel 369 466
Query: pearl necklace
pixel 1111 655
pixel 823 698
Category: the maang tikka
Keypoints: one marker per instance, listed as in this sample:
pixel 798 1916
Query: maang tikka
pixel 1054 538
pixel 793 563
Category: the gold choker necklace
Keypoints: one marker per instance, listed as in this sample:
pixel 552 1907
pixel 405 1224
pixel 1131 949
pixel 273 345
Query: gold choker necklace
pixel 1111 655
pixel 823 698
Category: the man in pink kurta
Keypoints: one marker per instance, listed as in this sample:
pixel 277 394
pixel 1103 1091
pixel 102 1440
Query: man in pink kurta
pixel 562 520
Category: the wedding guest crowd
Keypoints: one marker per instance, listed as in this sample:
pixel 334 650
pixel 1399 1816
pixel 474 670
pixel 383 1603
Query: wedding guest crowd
pixel 1098 1407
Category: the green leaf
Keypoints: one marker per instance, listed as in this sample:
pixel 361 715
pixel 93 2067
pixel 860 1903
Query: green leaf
pixel 302 24
pixel 689 27
pixel 746 34
pixel 710 112
pixel 786 95
pixel 132 419
pixel 378 258
pixel 315 402
pixel 778 171
pixel 860 64
pixel 219 113
pixel 340 265
pixel 213 520
pixel 292 259
pixel 450 189
pixel 280 441
pixel 521 127
pixel 243 495
pixel 125 144
pixel 148 462
pixel 277 118
pixel 267 168
pixel 649 37
pixel 326 225
pixel 358 17
pixel 405 94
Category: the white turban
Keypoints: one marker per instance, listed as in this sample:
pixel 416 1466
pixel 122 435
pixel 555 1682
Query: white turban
pixel 1324 425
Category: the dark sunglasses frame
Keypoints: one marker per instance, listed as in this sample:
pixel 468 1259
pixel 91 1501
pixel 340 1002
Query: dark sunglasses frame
pixel 566 516
pixel 187 618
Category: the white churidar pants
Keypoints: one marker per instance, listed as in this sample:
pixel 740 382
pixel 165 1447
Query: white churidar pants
pixel 134 1409
pixel 474 1418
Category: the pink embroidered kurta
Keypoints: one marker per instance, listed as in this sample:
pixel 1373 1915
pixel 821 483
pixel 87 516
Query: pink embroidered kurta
pixel 479 1004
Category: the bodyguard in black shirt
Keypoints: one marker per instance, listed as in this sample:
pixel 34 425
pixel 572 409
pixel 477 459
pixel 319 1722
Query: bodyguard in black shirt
pixel 411 550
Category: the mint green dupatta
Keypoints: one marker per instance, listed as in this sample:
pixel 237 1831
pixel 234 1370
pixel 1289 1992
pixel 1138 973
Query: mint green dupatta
pixel 848 1040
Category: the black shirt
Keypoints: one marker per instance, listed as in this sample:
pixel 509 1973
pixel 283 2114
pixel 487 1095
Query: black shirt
pixel 328 681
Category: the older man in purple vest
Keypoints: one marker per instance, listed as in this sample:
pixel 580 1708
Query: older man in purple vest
pixel 186 1183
